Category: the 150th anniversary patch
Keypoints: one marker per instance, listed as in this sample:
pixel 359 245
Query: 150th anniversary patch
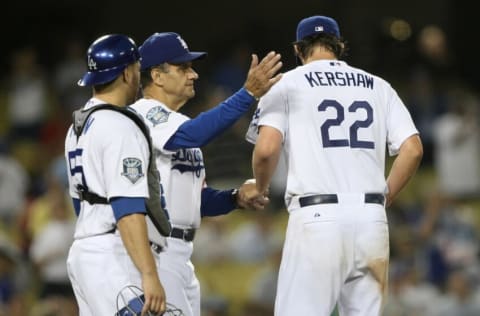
pixel 157 115
pixel 132 169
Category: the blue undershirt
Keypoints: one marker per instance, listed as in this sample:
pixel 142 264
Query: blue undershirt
pixel 200 130
pixel 121 206
pixel 216 202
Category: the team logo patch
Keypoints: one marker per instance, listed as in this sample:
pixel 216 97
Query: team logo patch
pixel 132 169
pixel 157 115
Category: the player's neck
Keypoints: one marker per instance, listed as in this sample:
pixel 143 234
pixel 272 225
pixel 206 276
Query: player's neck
pixel 112 98
pixel 320 53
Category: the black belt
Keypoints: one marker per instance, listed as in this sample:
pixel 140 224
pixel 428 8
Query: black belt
pixel 184 234
pixel 376 198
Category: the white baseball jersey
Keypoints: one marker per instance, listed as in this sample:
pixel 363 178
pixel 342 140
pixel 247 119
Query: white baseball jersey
pixel 182 171
pixel 340 117
pixel 110 158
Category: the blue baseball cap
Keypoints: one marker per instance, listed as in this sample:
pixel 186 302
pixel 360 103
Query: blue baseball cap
pixel 167 47
pixel 107 57
pixel 317 24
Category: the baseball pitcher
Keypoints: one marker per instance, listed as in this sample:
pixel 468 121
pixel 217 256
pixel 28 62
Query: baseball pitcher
pixel 334 123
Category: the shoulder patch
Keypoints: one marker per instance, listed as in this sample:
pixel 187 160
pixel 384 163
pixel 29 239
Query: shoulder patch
pixel 157 115
pixel 132 169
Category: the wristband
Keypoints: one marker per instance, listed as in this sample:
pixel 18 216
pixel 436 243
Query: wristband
pixel 249 92
pixel 235 198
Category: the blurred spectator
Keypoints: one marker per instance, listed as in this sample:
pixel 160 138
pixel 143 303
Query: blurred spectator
pixel 13 279
pixel 211 240
pixel 214 306
pixel 456 137
pixel 13 187
pixel 457 237
pixel 425 103
pixel 459 299
pixel 27 96
pixel 433 70
pixel 256 239
pixel 409 294
pixel 51 227
pixel 263 290
pixel 407 252
pixel 54 306
pixel 49 251
pixel 69 96
pixel 449 225
pixel 41 209
pixel 450 222
pixel 67 73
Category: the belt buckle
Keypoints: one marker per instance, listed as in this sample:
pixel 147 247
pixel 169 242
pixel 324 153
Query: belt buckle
pixel 184 234
pixel 187 235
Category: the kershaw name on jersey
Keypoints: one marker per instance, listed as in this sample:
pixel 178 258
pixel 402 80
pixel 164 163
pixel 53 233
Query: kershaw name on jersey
pixel 338 78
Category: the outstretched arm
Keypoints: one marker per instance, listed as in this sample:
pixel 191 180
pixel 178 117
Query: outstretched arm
pixel 218 202
pixel 201 130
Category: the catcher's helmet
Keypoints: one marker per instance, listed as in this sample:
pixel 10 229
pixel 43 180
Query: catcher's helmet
pixel 134 305
pixel 107 57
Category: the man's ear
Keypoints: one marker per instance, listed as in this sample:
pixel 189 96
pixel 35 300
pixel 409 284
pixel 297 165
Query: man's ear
pixel 295 49
pixel 157 76
pixel 127 73
pixel 298 55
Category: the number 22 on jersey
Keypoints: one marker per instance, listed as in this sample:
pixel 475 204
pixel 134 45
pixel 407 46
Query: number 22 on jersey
pixel 353 141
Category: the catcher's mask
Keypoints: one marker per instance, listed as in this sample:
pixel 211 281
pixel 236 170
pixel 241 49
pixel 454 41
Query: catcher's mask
pixel 130 303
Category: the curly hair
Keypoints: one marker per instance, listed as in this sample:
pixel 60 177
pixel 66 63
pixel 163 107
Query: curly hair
pixel 336 45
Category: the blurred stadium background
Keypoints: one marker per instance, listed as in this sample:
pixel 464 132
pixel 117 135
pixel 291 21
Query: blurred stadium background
pixel 426 49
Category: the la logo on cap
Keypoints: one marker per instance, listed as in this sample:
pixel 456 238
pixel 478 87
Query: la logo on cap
pixel 318 28
pixel 184 44
pixel 92 65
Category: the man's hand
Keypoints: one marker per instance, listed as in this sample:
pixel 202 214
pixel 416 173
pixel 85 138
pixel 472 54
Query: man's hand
pixel 262 76
pixel 133 230
pixel 155 300
pixel 248 196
